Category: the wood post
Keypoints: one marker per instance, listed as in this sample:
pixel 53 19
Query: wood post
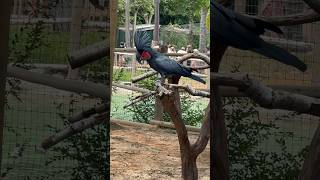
pixel 75 33
pixel 311 166
pixel 5 7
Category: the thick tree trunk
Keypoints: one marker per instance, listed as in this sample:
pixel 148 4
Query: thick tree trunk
pixel 203 31
pixel 218 137
pixel 75 35
pixel 134 27
pixel 127 23
pixel 5 7
pixel 156 21
pixel 189 166
pixel 189 153
pixel 191 32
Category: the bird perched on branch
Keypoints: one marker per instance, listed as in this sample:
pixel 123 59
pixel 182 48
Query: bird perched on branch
pixel 160 63
pixel 243 32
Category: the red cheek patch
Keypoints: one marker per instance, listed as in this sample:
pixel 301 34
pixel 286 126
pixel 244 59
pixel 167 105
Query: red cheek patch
pixel 145 55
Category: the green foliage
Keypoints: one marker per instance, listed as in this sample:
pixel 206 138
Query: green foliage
pixel 142 7
pixel 168 36
pixel 192 112
pixel 177 10
pixel 88 150
pixel 246 134
pixel 23 43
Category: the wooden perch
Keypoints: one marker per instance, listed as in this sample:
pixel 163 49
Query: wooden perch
pixel 132 88
pixel 92 89
pixel 296 19
pixel 133 50
pixel 190 90
pixel 140 98
pixel 296 46
pixel 88 54
pixel 196 55
pixel 171 126
pixel 311 168
pixel 74 128
pixel 267 97
pixel 85 114
pixel 143 76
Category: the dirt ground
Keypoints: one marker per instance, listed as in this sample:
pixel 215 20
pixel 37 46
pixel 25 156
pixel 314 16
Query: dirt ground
pixel 149 153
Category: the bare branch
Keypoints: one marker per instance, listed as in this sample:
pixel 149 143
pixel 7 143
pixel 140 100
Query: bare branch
pixel 197 55
pixel 171 126
pixel 132 88
pixel 204 136
pixel 133 50
pixel 143 76
pixel 313 4
pixel 267 97
pixel 73 129
pixel 85 114
pixel 140 98
pixel 190 90
pixel 201 67
pixel 92 89
pixel 89 54
pixel 296 19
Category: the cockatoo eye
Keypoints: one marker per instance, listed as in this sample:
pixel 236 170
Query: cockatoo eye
pixel 145 55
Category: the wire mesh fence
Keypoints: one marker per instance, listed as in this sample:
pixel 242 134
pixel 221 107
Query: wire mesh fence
pixel 300 40
pixel 42 34
pixel 173 39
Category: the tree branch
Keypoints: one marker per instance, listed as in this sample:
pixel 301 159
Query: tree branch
pixel 85 114
pixel 196 55
pixel 73 129
pixel 92 89
pixel 204 135
pixel 267 97
pixel 190 90
pixel 132 88
pixel 143 76
pixel 296 19
pixel 139 98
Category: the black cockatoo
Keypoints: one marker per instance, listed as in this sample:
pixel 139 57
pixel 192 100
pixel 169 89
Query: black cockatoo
pixel 243 32
pixel 160 63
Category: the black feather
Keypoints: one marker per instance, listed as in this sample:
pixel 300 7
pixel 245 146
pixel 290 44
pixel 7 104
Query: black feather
pixel 142 41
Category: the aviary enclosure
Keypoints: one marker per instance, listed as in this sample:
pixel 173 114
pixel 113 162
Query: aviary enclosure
pixel 42 108
pixel 268 135
pixel 55 115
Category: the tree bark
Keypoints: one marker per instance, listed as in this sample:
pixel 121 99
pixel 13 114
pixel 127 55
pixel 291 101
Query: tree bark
pixel 219 168
pixel 156 21
pixel 5 7
pixel 134 27
pixel 203 31
pixel 188 161
pixel 75 35
pixel 127 23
